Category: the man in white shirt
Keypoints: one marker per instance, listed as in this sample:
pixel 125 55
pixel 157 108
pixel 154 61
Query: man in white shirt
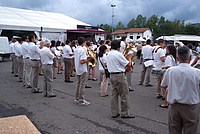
pixel 81 61
pixel 183 85
pixel 116 64
pixel 27 63
pixel 12 56
pixel 159 62
pixel 16 63
pixel 18 53
pixel 122 44
pixel 34 53
pixel 67 54
pixel 47 60
pixel 147 57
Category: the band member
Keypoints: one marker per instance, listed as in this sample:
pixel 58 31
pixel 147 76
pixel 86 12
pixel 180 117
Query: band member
pixel 12 55
pixel 146 70
pixel 81 61
pixel 34 54
pixel 129 54
pixel 27 63
pixel 67 54
pixel 102 68
pixel 159 62
pixel 18 53
pixel 183 84
pixel 47 62
pixel 116 64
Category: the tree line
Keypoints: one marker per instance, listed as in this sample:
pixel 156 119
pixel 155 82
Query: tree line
pixel 158 25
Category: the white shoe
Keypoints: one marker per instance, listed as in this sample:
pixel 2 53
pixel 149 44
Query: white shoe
pixel 84 102
pixel 76 101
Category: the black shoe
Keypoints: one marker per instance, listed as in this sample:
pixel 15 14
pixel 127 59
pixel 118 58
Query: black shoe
pixel 12 72
pixel 131 90
pixel 15 75
pixel 140 83
pixel 28 86
pixel 20 81
pixel 87 86
pixel 50 96
pixel 68 81
pixel 159 96
pixel 116 116
pixel 163 106
pixel 163 98
pixel 149 85
pixel 38 91
pixel 128 117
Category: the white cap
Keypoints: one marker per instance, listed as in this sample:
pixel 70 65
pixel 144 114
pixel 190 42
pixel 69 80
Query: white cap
pixel 46 41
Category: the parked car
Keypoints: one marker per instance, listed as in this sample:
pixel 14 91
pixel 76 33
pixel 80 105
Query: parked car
pixel 4 48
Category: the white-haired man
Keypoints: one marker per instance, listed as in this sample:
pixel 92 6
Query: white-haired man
pixel 182 83
pixel 47 61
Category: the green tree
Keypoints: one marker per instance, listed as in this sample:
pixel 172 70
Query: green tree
pixel 152 24
pixel 191 29
pixel 120 26
pixel 140 21
pixel 131 23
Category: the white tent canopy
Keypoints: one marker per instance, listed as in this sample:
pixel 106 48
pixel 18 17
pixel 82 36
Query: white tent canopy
pixel 29 20
pixel 181 38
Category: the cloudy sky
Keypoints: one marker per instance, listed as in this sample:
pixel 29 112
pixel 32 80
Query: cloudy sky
pixel 99 11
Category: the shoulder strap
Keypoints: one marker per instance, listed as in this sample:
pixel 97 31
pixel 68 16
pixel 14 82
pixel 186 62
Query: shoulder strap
pixel 101 63
pixel 156 49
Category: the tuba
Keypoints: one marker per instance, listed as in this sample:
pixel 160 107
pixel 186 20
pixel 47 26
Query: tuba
pixel 91 54
pixel 127 54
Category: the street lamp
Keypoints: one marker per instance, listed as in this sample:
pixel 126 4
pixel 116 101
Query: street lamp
pixel 113 6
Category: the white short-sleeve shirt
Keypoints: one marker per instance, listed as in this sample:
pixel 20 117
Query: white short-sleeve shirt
pixel 34 51
pixel 103 61
pixel 116 61
pixel 170 61
pixel 182 82
pixel 25 49
pixel 67 51
pixel 158 64
pixel 80 54
pixel 147 52
pixel 122 46
pixel 46 56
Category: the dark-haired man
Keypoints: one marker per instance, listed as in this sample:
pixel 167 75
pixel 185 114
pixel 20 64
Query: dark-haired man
pixel 81 61
pixel 67 54
pixel 183 85
pixel 116 64
pixel 34 53
pixel 146 69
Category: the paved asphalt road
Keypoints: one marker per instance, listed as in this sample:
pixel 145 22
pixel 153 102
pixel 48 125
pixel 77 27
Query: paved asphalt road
pixel 61 116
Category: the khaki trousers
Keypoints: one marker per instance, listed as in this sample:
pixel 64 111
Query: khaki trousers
pixel 159 80
pixel 128 75
pixel 35 74
pixel 13 64
pixel 104 84
pixel 183 118
pixel 119 90
pixel 27 72
pixel 68 67
pixel 80 86
pixel 16 65
pixel 20 68
pixel 48 80
pixel 145 71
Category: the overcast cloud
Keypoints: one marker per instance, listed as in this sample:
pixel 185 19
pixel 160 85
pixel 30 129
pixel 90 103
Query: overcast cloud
pixel 99 11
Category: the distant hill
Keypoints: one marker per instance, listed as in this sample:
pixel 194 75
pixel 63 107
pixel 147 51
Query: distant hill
pixel 196 24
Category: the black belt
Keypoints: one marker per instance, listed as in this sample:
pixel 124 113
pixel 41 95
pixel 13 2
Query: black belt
pixel 147 59
pixel 117 72
pixel 34 60
pixel 26 58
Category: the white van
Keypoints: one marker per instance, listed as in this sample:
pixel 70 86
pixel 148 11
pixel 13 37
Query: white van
pixel 4 48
